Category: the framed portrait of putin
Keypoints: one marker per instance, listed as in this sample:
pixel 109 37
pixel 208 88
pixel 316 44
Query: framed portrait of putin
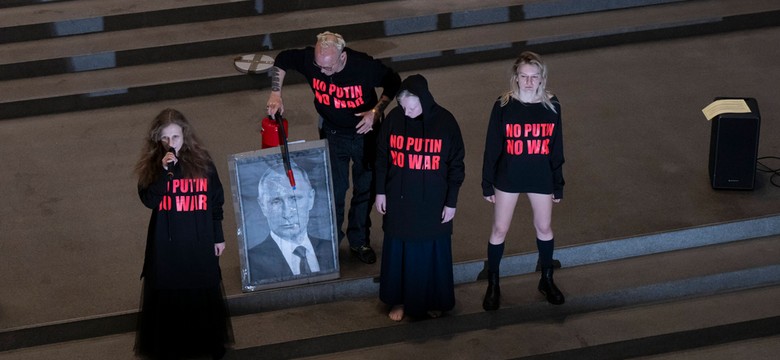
pixel 286 221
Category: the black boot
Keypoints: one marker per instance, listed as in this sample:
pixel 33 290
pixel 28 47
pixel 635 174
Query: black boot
pixel 493 293
pixel 548 288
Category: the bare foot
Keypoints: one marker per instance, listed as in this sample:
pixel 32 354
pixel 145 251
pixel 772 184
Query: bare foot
pixel 434 313
pixel 396 313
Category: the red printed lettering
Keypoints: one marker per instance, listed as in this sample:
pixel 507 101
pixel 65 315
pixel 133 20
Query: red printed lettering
pixel 534 146
pixel 397 141
pixel 514 130
pixel 318 85
pixel 165 203
pixel 546 147
pixel 514 147
pixel 397 158
pixel 322 98
pixel 191 202
pixel 424 162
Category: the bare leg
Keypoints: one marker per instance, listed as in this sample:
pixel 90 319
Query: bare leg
pixel 541 204
pixel 503 210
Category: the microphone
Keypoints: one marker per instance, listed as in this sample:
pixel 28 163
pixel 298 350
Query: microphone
pixel 171 149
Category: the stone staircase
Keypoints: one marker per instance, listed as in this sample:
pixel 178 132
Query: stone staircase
pixel 687 294
pixel 78 55
pixel 607 316
pixel 715 301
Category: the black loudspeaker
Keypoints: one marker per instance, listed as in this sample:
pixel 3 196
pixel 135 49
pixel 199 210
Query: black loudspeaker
pixel 734 148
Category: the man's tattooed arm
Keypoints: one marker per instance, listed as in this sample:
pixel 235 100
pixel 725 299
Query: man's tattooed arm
pixel 276 79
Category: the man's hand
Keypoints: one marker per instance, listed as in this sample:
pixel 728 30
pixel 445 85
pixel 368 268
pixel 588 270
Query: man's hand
pixel 275 104
pixel 367 122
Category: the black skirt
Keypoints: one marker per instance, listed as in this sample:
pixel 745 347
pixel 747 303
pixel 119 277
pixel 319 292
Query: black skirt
pixel 176 323
pixel 417 275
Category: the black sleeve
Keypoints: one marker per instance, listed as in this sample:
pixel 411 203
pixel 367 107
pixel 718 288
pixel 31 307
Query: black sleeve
pixel 456 169
pixel 152 195
pixel 217 202
pixel 382 145
pixel 390 83
pixel 494 142
pixel 556 155
pixel 293 59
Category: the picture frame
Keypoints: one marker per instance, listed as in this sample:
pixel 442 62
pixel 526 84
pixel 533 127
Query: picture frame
pixel 266 259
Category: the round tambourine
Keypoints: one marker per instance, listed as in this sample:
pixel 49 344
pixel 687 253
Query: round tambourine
pixel 253 63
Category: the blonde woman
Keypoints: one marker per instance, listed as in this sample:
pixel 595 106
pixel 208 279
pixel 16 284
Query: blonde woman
pixel 524 154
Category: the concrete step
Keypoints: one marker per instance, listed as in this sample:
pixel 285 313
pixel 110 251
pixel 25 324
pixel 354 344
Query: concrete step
pixel 645 330
pixel 473 44
pixel 237 35
pixel 613 286
pixel 184 20
pixel 61 19
pixel 659 275
pixel 156 44
pixel 672 302
pixel 9 4
pixel 718 327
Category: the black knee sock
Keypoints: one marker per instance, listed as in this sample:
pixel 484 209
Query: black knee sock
pixel 545 252
pixel 495 252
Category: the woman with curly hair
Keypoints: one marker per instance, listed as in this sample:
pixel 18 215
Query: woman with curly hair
pixel 183 308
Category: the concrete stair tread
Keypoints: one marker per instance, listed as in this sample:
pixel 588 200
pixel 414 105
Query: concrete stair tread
pixel 763 348
pixel 595 330
pixel 227 29
pixel 82 9
pixel 462 39
pixel 609 279
pixel 118 78
pixel 536 327
pixel 590 330
pixel 633 18
pixel 576 26
pixel 525 339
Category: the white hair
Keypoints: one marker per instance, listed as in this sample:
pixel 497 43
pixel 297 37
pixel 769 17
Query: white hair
pixel 328 39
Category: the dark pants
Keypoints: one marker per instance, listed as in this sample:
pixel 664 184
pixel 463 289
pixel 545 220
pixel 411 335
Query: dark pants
pixel 360 151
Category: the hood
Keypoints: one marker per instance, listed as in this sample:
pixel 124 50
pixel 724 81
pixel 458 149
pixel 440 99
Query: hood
pixel 417 85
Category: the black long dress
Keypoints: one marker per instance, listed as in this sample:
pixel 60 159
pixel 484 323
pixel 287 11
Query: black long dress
pixel 420 170
pixel 183 308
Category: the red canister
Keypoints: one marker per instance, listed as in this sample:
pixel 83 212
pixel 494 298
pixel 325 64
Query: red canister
pixel 270 132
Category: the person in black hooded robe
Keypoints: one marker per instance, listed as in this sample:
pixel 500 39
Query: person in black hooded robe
pixel 419 171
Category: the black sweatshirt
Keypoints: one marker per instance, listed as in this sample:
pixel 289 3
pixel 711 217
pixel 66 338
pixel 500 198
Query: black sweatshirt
pixel 340 96
pixel 419 166
pixel 185 224
pixel 524 149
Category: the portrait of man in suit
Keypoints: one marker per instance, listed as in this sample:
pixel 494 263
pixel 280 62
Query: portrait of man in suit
pixel 289 250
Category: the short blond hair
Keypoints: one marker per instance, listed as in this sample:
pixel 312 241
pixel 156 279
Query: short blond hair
pixel 328 39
